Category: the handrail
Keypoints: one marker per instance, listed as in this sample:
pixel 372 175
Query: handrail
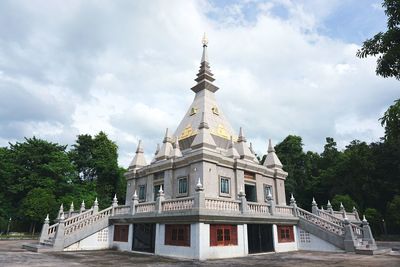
pixel 145 207
pixel 120 210
pixel 81 224
pixel 223 205
pixel 332 227
pixel 178 204
pixel 254 207
pixel 282 209
pixel 327 216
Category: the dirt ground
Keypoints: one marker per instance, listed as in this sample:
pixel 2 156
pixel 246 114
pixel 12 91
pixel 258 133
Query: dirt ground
pixel 11 254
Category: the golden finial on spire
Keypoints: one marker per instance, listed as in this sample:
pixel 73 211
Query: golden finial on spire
pixel 205 40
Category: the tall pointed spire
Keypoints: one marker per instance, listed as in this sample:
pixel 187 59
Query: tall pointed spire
pixel 139 159
pixel 204 77
pixel 204 57
pixel 272 160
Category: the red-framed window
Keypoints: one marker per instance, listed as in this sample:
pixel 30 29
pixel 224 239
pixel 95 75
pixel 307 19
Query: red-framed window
pixel 121 233
pixel 223 235
pixel 285 234
pixel 177 235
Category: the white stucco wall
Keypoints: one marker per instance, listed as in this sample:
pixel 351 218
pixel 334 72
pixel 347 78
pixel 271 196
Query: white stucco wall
pixel 99 240
pixel 200 244
pixel 308 241
pixel 287 246
pixel 127 246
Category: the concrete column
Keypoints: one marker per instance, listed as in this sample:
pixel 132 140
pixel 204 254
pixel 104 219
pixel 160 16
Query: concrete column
pixel 367 234
pixel 199 197
pixel 243 202
pixel 349 238
pixel 294 205
pixel 271 204
pixel 314 207
pixel 159 200
pixel 59 237
pixel 45 229
pixel 95 206
pixel 134 202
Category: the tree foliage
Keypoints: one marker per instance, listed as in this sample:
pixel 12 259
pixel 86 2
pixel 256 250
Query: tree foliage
pixel 386 45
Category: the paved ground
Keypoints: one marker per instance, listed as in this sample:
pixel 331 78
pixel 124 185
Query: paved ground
pixel 12 255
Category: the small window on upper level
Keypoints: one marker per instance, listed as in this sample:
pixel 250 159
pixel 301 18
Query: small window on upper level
pixel 182 186
pixel 158 176
pixel 142 193
pixel 156 190
pixel 224 186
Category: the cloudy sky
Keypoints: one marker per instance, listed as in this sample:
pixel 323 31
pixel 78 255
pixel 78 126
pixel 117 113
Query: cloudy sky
pixel 126 67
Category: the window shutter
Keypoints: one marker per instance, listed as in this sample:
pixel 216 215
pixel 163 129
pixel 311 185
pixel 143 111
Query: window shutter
pixel 234 240
pixel 213 235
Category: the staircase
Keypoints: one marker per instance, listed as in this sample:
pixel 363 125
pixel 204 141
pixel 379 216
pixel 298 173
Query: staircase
pixel 340 233
pixel 68 231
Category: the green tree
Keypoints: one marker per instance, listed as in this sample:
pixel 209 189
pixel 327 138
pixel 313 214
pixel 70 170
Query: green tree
pixel 374 218
pixel 393 213
pixel 391 122
pixel 346 200
pixel 386 45
pixel 37 203
pixel 290 152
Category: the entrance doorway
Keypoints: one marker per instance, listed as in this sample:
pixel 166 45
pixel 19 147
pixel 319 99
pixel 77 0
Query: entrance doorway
pixel 259 238
pixel 144 237
pixel 251 192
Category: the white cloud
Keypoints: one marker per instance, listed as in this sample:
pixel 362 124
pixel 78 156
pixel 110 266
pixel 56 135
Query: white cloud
pixel 126 68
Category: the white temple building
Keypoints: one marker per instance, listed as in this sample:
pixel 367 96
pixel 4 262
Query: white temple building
pixel 205 195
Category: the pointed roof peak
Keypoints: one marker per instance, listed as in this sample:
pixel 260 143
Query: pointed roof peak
pixel 139 148
pixel 204 76
pixel 139 160
pixel 272 160
pixel 204 57
pixel 270 147
pixel 241 137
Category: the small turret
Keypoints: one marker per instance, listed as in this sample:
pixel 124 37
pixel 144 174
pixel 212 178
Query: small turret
pixel 232 152
pixel 242 148
pixel 272 160
pixel 139 160
pixel 166 147
pixel 176 152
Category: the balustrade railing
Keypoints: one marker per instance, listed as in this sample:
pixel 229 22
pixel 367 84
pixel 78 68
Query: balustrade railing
pixel 81 224
pixel 222 205
pixel 178 204
pixel 284 210
pixel 51 232
pixel 315 219
pixel 82 216
pixel 257 208
pixel 145 207
pixel 120 210
pixel 329 217
pixel 357 230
